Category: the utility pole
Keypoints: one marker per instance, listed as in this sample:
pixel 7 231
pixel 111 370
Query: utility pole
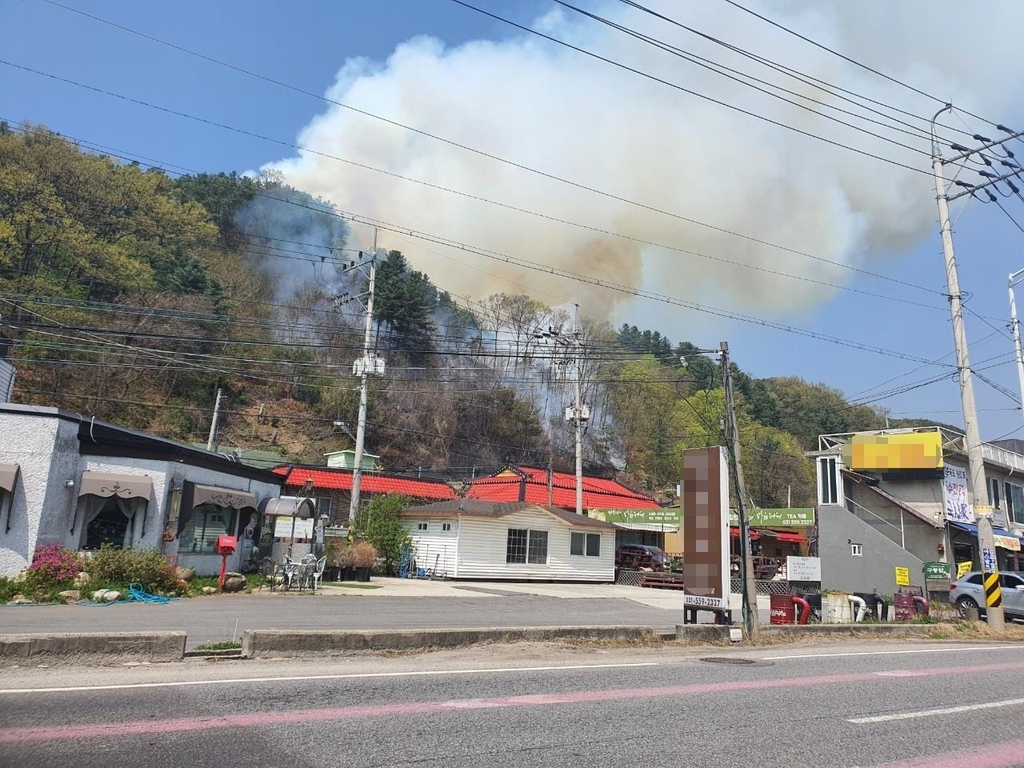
pixel 365 366
pixel 578 415
pixel 213 424
pixel 972 435
pixel 751 621
pixel 1015 323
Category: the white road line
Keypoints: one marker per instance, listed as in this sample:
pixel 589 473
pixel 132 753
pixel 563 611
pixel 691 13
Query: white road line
pixel 896 653
pixel 933 712
pixel 300 678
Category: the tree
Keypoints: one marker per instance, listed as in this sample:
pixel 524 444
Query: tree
pixel 380 523
pixel 809 410
pixel 404 302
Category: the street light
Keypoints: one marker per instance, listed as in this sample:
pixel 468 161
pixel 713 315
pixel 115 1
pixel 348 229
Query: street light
pixel 1012 280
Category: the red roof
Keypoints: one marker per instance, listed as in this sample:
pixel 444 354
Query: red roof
pixel 325 479
pixel 598 493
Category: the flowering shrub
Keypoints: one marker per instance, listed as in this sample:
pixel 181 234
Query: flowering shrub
pixel 53 564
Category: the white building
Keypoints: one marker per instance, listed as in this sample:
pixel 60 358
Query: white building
pixel 79 482
pixel 519 541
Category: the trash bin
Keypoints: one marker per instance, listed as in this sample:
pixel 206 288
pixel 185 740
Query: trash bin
pixel 783 609
pixel 905 608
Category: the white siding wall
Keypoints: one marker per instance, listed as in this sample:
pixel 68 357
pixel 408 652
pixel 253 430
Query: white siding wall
pixel 434 547
pixel 483 547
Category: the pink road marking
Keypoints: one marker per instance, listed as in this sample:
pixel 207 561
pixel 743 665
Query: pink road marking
pixel 264 719
pixel 1008 753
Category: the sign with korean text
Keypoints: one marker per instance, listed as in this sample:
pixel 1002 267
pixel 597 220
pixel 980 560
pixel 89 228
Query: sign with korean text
pixel 705 503
pixel 662 516
pixel 788 517
pixel 954 495
pixel 803 569
pixel 964 568
pixel 902 577
pixel 989 563
pixel 936 571
pixel 283 527
pixel 1011 543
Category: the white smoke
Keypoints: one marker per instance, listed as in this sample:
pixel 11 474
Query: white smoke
pixel 554 109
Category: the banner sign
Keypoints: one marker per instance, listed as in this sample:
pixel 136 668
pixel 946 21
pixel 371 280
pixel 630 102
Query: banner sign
pixel 936 571
pixel 964 568
pixel 902 577
pixel 892 452
pixel 663 516
pixel 803 569
pixel 954 496
pixel 792 517
pixel 1011 543
pixel 705 497
pixel 283 527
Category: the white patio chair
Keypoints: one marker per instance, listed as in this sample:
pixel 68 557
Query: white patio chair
pixel 318 573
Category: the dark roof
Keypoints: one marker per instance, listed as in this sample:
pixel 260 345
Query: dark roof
pixel 101 438
pixel 495 509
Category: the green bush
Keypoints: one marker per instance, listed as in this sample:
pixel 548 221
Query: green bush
pixel 122 567
pixel 9 588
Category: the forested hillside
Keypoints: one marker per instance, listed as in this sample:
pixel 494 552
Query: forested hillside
pixel 133 294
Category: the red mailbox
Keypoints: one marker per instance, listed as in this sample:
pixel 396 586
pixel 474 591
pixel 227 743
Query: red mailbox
pixel 226 545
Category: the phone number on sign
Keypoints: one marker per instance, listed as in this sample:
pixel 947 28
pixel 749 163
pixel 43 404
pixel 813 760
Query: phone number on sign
pixel 706 602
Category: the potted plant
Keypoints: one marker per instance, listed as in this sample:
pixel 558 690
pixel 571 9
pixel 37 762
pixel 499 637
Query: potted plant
pixel 339 559
pixel 364 555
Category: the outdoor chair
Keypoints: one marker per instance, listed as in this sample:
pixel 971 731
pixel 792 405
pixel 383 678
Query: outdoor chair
pixel 318 573
pixel 268 570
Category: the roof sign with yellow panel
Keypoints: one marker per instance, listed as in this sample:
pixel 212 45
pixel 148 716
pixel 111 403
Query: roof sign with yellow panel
pixel 908 450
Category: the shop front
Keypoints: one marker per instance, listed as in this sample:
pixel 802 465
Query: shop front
pixel 963 538
pixel 208 512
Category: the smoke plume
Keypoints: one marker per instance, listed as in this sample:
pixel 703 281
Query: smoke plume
pixel 551 108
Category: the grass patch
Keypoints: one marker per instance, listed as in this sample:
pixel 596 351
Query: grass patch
pixel 226 645
pixel 351 585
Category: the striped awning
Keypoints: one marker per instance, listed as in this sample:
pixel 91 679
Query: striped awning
pixel 8 477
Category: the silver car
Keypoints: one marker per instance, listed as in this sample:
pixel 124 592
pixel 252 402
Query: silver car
pixel 969 592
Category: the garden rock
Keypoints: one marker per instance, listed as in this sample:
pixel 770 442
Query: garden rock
pixel 209 590
pixel 184 574
pixel 105 595
pixel 21 600
pixel 82 579
pixel 234 582
pixel 70 594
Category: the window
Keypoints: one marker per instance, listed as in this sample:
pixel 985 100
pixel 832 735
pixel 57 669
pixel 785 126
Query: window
pixel 204 526
pixel 515 550
pixel 993 493
pixel 585 544
pixel 856 550
pixel 525 546
pixel 323 506
pixel 1014 502
pixel 828 480
pixel 446 526
pixel 422 526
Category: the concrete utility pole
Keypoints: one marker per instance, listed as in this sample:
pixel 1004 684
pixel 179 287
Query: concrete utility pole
pixel 972 435
pixel 213 425
pixel 366 366
pixel 578 415
pixel 1015 323
pixel 751 621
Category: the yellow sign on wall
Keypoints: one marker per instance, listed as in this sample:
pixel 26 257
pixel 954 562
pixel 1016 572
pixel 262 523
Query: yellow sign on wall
pixel 963 568
pixel 902 577
pixel 912 450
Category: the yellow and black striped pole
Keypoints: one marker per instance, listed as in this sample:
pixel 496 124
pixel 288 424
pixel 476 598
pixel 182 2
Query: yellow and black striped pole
pixel 990 569
pixel 993 593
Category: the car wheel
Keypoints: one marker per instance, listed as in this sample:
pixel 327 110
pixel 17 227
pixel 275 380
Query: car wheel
pixel 965 603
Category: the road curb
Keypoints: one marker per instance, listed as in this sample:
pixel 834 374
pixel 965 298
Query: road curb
pixel 136 646
pixel 271 642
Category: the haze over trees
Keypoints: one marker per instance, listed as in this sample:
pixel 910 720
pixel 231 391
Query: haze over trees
pixel 133 295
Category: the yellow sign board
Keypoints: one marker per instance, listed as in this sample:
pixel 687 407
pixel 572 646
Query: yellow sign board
pixel 912 450
pixel 963 568
pixel 1011 543
pixel 902 577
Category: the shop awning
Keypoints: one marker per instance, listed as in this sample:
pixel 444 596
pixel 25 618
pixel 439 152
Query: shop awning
pixel 658 527
pixel 1004 539
pixel 289 506
pixel 222 497
pixel 121 486
pixel 8 477
pixel 734 531
pixel 789 538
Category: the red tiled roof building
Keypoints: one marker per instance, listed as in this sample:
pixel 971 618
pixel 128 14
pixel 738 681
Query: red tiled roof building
pixel 531 484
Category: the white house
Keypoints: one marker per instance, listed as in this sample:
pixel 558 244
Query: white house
pixel 520 541
pixel 79 482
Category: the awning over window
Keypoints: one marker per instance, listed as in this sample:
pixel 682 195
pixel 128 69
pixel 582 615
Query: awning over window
pixel 8 477
pixel 657 527
pixel 789 538
pixel 221 497
pixel 121 486
pixel 289 506
pixel 1003 538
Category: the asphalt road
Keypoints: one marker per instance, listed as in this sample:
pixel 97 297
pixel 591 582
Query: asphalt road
pixel 213 619
pixel 841 708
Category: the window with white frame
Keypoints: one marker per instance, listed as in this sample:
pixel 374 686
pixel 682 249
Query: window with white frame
pixel 323 506
pixel 446 526
pixel 205 526
pixel 857 550
pixel 993 493
pixel 422 526
pixel 585 544
pixel 828 480
pixel 1014 502
pixel 526 546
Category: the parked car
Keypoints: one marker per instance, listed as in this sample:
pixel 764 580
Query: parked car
pixel 969 592
pixel 638 556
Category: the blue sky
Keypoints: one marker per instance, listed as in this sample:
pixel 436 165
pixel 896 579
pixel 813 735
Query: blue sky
pixel 308 44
